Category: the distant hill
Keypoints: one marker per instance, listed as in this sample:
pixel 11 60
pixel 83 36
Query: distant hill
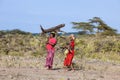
pixel 14 31
pixel 68 33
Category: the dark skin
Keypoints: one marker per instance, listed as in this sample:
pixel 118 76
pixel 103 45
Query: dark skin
pixel 50 36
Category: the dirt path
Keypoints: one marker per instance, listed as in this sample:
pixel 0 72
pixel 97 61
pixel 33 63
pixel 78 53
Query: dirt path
pixel 56 74
pixel 16 68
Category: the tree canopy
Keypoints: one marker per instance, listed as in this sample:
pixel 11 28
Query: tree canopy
pixel 95 25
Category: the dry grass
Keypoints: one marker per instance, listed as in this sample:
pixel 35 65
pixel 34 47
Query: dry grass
pixel 96 59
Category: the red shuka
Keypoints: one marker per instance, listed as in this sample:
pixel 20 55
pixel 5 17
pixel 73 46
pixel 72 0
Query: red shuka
pixel 70 54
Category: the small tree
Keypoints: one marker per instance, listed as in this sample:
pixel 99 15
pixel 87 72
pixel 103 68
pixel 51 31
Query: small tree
pixel 84 26
pixel 101 27
pixel 95 25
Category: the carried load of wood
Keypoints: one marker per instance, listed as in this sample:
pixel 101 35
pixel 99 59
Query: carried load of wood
pixel 52 29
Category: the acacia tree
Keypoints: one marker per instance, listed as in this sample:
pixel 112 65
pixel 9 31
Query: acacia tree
pixel 102 27
pixel 84 26
pixel 94 25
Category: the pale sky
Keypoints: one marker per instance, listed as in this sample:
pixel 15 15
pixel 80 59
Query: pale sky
pixel 28 15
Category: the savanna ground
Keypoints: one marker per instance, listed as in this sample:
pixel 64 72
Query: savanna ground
pixel 32 68
pixel 22 57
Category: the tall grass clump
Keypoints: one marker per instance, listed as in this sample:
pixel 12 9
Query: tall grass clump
pixel 103 48
pixel 21 44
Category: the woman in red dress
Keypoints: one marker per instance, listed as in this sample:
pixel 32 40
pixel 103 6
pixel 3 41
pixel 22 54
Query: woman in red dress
pixel 70 54
pixel 50 50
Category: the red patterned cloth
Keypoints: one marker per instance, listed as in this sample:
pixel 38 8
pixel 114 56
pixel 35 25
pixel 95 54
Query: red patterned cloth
pixel 50 52
pixel 70 54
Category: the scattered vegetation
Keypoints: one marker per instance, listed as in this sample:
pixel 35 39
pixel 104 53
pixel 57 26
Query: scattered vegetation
pixel 97 43
pixel 24 44
pixel 103 48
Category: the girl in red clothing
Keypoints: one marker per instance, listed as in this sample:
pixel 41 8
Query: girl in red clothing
pixel 70 54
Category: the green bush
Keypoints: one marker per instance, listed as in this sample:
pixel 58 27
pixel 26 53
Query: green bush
pixel 104 48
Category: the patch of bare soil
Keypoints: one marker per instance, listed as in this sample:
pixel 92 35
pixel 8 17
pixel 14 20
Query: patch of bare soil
pixel 88 70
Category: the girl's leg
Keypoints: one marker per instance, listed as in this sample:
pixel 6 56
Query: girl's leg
pixel 72 67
